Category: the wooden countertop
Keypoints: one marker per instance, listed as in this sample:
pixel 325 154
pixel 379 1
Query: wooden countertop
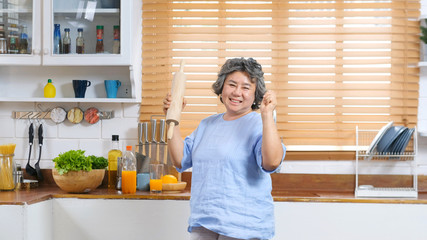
pixel 46 192
pixel 286 188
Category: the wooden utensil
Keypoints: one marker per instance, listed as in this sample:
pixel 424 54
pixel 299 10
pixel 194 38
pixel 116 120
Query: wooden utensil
pixel 173 115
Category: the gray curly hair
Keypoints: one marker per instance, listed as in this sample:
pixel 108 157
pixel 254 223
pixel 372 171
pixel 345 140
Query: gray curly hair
pixel 249 66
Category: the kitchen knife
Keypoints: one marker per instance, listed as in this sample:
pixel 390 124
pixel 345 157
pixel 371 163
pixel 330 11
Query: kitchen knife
pixel 153 156
pixel 162 143
pixel 146 163
pixel 138 154
pixel 140 126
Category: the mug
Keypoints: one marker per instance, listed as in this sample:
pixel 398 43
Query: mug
pixel 80 87
pixel 111 87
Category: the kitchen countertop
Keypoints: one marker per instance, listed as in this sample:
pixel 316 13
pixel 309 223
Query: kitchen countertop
pixel 46 192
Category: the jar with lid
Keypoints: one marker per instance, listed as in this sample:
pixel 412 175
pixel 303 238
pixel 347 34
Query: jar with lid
pixel 99 39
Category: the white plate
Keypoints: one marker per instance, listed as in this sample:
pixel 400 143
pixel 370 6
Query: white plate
pixel 377 138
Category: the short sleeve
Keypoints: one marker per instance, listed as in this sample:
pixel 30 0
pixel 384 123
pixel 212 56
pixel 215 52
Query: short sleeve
pixel 187 161
pixel 258 156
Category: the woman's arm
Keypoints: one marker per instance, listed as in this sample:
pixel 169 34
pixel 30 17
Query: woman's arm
pixel 271 148
pixel 175 144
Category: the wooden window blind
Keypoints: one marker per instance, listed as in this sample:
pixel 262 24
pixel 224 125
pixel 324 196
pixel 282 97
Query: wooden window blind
pixel 333 64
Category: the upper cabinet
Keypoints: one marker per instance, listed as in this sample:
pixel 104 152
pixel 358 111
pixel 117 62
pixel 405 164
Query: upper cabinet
pixel 29 27
pixel 67 40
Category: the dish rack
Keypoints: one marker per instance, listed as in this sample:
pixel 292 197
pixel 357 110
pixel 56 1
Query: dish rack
pixel 365 161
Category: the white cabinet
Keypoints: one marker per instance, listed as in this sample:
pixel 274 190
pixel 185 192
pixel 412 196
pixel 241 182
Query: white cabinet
pixel 23 75
pixel 71 14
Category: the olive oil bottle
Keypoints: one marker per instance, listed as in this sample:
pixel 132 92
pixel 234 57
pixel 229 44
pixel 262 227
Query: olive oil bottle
pixel 113 154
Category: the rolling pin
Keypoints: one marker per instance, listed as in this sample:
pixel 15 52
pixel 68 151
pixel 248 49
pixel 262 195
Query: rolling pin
pixel 173 115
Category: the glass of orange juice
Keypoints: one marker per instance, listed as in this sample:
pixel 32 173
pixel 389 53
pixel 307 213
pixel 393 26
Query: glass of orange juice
pixel 156 173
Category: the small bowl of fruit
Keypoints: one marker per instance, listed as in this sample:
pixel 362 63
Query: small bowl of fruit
pixel 170 184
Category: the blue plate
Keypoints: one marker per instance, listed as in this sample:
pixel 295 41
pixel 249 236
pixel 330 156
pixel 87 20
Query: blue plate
pixel 377 138
pixel 404 142
pixel 392 134
pixel 398 144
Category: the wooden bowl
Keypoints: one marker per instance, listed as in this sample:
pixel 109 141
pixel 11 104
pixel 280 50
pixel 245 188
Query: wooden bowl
pixel 79 181
pixel 179 186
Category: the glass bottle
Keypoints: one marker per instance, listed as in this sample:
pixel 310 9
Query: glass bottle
pixel 23 41
pixel 99 39
pixel 113 154
pixel 80 44
pixel 13 43
pixel 3 41
pixel 128 171
pixel 49 90
pixel 116 42
pixel 66 47
pixel 57 41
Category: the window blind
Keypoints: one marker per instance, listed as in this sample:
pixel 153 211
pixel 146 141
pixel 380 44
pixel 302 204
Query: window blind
pixel 334 65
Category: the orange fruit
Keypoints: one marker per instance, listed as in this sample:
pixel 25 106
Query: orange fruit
pixel 169 179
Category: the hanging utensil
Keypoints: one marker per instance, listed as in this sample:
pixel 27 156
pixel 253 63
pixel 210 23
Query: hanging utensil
pixel 29 169
pixel 37 165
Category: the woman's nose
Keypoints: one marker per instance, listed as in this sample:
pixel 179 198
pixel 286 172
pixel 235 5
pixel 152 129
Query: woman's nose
pixel 237 91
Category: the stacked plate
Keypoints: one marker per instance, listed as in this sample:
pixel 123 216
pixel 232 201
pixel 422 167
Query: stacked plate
pixel 391 139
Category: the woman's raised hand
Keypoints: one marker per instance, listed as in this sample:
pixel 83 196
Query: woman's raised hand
pixel 269 102
pixel 167 103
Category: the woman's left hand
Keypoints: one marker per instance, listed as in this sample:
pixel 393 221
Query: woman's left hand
pixel 268 103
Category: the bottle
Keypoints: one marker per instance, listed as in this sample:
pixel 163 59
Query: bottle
pixel 49 89
pixel 128 171
pixel 13 43
pixel 57 42
pixel 66 47
pixel 113 154
pixel 99 39
pixel 23 41
pixel 80 42
pixel 116 42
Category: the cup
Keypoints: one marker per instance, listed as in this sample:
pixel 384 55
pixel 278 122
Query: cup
pixel 143 181
pixel 111 87
pixel 80 87
pixel 156 173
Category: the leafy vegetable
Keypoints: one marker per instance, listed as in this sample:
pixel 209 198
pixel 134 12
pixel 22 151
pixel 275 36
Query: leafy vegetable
pixel 73 160
pixel 98 162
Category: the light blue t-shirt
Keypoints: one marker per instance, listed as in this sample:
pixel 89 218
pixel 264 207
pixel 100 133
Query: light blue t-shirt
pixel 230 191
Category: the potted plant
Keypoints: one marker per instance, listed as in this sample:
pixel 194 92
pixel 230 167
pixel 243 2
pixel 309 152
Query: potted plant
pixel 423 38
pixel 76 173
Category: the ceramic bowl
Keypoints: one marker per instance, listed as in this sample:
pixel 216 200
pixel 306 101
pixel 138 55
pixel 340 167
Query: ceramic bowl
pixel 79 181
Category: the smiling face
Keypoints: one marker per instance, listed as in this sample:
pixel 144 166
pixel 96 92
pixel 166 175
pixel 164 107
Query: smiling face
pixel 238 95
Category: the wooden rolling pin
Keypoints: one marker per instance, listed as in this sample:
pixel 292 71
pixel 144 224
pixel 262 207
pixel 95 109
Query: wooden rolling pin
pixel 173 115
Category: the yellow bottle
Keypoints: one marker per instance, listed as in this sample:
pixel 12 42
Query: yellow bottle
pixel 113 154
pixel 49 89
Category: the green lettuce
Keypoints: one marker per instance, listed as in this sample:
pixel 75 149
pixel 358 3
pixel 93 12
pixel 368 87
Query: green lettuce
pixel 73 160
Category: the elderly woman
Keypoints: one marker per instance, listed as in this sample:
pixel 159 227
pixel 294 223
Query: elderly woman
pixel 232 155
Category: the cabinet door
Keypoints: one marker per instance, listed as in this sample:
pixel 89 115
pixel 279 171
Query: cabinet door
pixel 88 16
pixel 20 31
